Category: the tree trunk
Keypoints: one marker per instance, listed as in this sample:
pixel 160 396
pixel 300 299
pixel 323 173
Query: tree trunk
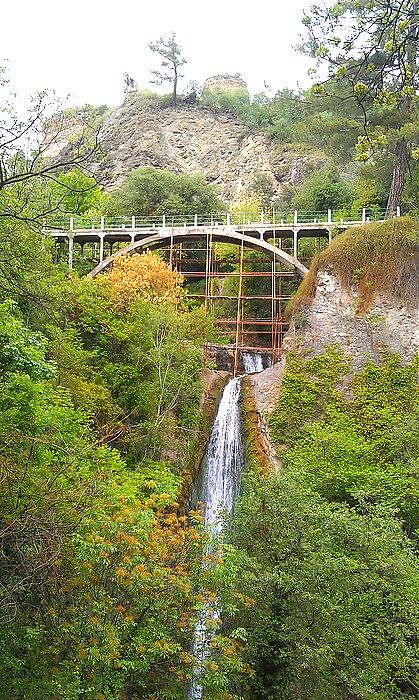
pixel 174 96
pixel 399 176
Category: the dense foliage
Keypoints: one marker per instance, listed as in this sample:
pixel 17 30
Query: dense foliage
pixel 371 52
pixel 100 578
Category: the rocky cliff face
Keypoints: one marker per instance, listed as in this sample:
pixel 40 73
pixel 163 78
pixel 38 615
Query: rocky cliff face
pixel 195 140
pixel 332 319
pixel 182 139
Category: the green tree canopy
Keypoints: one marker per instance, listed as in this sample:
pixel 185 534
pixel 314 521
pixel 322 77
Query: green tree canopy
pixel 371 51
pixel 153 191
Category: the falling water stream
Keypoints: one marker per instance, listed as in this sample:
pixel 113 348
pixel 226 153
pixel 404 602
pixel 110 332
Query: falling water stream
pixel 221 477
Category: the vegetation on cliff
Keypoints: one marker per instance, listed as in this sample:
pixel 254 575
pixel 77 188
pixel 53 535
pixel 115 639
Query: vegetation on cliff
pixel 153 191
pixel 374 258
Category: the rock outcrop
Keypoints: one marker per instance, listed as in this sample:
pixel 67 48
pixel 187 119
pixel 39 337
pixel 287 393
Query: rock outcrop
pixel 225 83
pixel 189 139
pixel 332 318
pixel 184 139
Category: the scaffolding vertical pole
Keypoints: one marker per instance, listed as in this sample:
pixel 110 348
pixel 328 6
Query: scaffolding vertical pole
pixel 211 276
pixel 279 325
pixel 273 311
pixel 207 263
pixel 239 308
pixel 171 250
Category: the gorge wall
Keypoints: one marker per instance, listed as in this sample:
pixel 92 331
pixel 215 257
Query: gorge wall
pixel 192 139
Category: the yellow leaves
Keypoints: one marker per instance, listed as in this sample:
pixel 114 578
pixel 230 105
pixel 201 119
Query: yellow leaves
pixel 385 98
pixel 360 88
pixel 194 536
pixel 321 52
pixel 317 89
pixel 163 647
pixel 141 570
pixel 121 572
pixel 144 276
pixel 125 537
pixel 367 146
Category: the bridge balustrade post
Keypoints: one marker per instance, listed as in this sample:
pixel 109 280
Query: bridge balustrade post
pixel 261 216
pixel 102 223
pixel 196 220
pixel 132 221
pixel 295 217
pixel 364 215
pixel 398 211
pixel 71 223
pixel 329 216
pixel 163 221
pixel 228 219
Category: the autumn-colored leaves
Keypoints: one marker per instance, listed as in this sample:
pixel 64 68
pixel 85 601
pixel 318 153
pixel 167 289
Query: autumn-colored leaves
pixel 144 276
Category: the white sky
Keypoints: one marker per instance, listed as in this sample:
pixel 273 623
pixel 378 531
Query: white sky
pixel 81 48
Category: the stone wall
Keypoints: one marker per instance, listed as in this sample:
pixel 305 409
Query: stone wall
pixel 225 83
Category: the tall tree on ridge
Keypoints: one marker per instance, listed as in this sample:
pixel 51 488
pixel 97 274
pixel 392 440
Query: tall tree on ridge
pixel 170 52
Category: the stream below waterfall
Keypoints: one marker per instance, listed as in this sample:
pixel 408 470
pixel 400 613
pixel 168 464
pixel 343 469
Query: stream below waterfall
pixel 220 485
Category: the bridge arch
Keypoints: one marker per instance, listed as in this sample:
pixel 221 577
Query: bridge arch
pixel 166 237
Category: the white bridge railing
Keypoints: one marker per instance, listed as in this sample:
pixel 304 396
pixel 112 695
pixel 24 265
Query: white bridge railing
pixel 262 219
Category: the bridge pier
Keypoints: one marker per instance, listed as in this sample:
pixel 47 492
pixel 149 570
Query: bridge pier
pixel 70 249
pixel 101 246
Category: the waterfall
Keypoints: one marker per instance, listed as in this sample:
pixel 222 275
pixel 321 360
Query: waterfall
pixel 252 362
pixel 222 464
pixel 222 468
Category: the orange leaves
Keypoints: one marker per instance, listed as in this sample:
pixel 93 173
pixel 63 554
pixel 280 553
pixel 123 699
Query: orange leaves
pixel 144 276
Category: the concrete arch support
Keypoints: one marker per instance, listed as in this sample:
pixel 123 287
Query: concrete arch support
pixel 165 237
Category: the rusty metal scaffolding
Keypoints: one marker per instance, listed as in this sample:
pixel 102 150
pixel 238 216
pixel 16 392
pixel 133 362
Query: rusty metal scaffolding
pixel 204 265
pixel 219 278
